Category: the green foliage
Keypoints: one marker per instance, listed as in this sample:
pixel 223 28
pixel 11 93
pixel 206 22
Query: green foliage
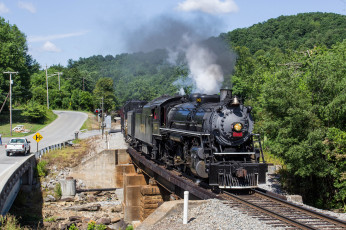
pixel 129 227
pixel 73 227
pixel 302 31
pixel 14 57
pixel 335 143
pixel 50 219
pixel 57 191
pixel 35 112
pixel 9 222
pixel 104 89
pixel 299 99
pixel 93 226
pixel 42 168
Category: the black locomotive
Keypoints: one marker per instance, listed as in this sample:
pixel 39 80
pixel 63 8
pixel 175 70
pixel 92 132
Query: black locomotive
pixel 208 136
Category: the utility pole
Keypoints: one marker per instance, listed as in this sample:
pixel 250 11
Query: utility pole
pixel 11 97
pixel 59 77
pixel 47 88
pixel 102 115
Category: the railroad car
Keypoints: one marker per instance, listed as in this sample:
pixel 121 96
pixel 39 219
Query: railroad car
pixel 208 136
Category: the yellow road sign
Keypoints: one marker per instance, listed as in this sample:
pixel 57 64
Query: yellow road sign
pixel 37 137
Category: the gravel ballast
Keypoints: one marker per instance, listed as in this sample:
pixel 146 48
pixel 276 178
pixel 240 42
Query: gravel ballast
pixel 211 215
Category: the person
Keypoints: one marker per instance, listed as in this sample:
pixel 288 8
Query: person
pixel 0 140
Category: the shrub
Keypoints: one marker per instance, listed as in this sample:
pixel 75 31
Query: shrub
pixel 73 227
pixel 57 191
pixel 35 112
pixel 41 168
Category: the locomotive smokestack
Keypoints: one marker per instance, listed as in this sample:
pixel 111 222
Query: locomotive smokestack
pixel 225 93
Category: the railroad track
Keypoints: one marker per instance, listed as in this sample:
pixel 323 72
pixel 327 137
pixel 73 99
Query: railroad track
pixel 280 213
pixel 268 208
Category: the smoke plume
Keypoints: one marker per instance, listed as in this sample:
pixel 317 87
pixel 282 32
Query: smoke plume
pixel 209 60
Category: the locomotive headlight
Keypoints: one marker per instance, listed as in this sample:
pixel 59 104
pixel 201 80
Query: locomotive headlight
pixel 237 127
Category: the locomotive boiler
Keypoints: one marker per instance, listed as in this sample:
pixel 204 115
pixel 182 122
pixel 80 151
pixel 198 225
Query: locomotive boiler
pixel 208 136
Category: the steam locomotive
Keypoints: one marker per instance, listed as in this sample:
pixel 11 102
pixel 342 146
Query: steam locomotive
pixel 207 136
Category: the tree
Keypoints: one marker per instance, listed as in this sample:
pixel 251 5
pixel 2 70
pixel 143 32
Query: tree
pixel 104 89
pixel 14 57
pixel 35 112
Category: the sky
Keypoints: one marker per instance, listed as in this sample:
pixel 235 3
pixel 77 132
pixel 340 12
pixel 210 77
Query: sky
pixel 59 30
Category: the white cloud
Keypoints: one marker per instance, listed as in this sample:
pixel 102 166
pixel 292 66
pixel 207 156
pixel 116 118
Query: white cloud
pixel 55 36
pixel 50 47
pixel 3 8
pixel 27 6
pixel 209 6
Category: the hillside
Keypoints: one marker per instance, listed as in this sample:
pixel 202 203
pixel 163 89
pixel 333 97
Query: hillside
pixel 291 32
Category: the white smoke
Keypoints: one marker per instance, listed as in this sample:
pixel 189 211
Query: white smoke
pixel 209 6
pixel 205 73
pixel 209 59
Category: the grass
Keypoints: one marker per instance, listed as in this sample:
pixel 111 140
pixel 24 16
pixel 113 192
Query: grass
pixel 69 156
pixel 18 119
pixel 91 123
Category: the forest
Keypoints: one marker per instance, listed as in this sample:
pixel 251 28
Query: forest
pixel 290 69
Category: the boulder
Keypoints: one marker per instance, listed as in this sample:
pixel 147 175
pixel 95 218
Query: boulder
pixel 49 198
pixel 104 220
pixel 87 207
pixel 75 218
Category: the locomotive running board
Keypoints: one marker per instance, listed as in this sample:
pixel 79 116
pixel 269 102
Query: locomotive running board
pixel 235 153
pixel 185 132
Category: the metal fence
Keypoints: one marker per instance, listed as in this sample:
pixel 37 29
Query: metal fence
pixel 47 149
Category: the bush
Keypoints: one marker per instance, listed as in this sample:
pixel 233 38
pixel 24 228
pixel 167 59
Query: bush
pixel 93 226
pixel 57 191
pixel 41 168
pixel 35 112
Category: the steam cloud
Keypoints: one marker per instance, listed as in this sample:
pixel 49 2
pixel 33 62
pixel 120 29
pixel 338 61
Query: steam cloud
pixel 207 75
pixel 209 6
pixel 209 60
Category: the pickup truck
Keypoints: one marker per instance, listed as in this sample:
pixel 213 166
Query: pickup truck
pixel 17 145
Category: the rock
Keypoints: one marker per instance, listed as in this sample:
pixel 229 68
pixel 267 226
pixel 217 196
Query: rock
pixel 75 218
pixel 59 218
pixel 104 220
pixel 46 225
pixel 49 198
pixel 119 225
pixel 62 226
pixel 67 199
pixel 87 207
pixel 295 198
pixel 91 199
pixel 86 220
pixel 116 218
pixel 117 208
pixel 97 193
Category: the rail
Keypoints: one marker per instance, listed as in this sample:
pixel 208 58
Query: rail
pixel 282 213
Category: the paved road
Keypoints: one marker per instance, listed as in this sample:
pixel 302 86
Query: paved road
pixel 62 129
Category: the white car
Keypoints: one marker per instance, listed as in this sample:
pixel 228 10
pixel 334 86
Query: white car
pixel 17 145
